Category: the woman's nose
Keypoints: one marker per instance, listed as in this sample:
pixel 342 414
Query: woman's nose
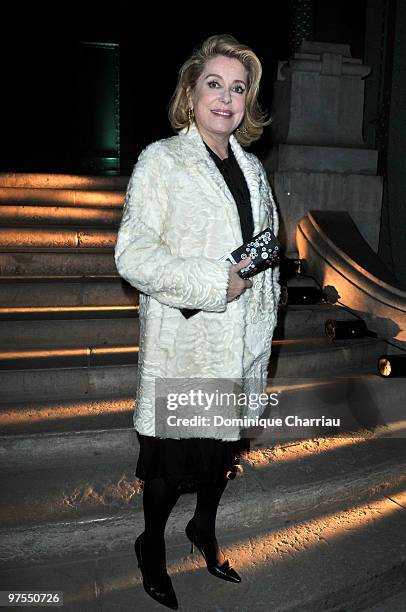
pixel 226 97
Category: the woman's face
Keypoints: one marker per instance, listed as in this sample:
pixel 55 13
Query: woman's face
pixel 218 98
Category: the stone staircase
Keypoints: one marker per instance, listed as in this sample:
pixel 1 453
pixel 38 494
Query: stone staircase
pixel 68 370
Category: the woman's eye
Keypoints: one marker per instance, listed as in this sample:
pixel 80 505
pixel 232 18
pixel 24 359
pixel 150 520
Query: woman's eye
pixel 237 88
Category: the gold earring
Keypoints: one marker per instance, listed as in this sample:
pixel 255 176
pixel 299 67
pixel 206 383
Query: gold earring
pixel 242 130
pixel 190 115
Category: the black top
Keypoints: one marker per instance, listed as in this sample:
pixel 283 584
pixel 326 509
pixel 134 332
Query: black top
pixel 237 184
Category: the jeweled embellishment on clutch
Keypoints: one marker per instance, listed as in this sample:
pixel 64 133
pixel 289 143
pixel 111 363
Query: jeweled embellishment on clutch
pixel 263 249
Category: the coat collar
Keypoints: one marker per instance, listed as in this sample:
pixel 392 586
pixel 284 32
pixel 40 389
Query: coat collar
pixel 199 161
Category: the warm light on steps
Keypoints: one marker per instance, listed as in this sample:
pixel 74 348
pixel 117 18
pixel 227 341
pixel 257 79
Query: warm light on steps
pixel 54 410
pixel 15 311
pixel 61 238
pixel 273 551
pixel 56 278
pixel 304 536
pixel 21 355
pixel 58 215
pixel 308 535
pixel 65 358
pixel 65 311
pixel 297 450
pixel 63 410
pixel 94 483
pixel 68 351
pixel 305 340
pixel 298 341
pixel 24 196
pixel 36 180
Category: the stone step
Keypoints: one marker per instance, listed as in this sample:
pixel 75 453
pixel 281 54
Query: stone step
pixel 79 357
pixel 79 262
pixel 291 358
pixel 48 196
pixel 302 321
pixel 61 513
pixel 77 326
pixel 50 327
pixel 25 239
pixel 18 292
pixel 67 373
pixel 39 433
pixel 93 328
pixel 62 181
pixel 67 383
pixel 68 446
pixel 12 215
pixel 317 355
pixel 355 402
pixel 292 567
pixel 21 294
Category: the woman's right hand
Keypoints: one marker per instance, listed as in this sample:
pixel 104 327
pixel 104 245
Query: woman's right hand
pixel 237 285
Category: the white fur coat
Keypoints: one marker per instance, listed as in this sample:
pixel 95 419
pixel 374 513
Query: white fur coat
pixel 179 218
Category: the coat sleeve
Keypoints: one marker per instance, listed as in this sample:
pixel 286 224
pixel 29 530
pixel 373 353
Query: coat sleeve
pixel 141 255
pixel 273 273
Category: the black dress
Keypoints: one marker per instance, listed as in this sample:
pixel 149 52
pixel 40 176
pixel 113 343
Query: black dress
pixel 185 463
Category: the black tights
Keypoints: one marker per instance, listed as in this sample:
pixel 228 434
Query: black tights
pixel 159 499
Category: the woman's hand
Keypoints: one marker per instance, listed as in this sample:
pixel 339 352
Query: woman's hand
pixel 237 285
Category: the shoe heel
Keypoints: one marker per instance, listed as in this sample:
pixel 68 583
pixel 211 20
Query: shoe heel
pixel 192 548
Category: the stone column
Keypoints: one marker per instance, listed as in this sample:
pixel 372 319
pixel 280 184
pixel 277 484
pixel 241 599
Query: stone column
pixel 318 159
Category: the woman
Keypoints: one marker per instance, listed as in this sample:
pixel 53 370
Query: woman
pixel 191 199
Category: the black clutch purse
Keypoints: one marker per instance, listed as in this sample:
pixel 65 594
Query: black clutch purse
pixel 264 250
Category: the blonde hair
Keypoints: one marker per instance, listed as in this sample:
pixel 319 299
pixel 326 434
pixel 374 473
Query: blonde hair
pixel 254 120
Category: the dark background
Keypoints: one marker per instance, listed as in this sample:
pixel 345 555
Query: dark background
pixel 39 66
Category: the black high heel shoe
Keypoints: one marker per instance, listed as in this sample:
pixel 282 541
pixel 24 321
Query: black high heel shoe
pixel 165 594
pixel 223 571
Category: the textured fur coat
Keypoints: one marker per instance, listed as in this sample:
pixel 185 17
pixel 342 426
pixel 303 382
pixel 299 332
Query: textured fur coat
pixel 179 218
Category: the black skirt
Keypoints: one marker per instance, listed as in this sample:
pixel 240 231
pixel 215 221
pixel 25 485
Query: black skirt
pixel 187 462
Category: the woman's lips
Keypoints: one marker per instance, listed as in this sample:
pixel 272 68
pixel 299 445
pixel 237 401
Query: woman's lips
pixel 220 113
